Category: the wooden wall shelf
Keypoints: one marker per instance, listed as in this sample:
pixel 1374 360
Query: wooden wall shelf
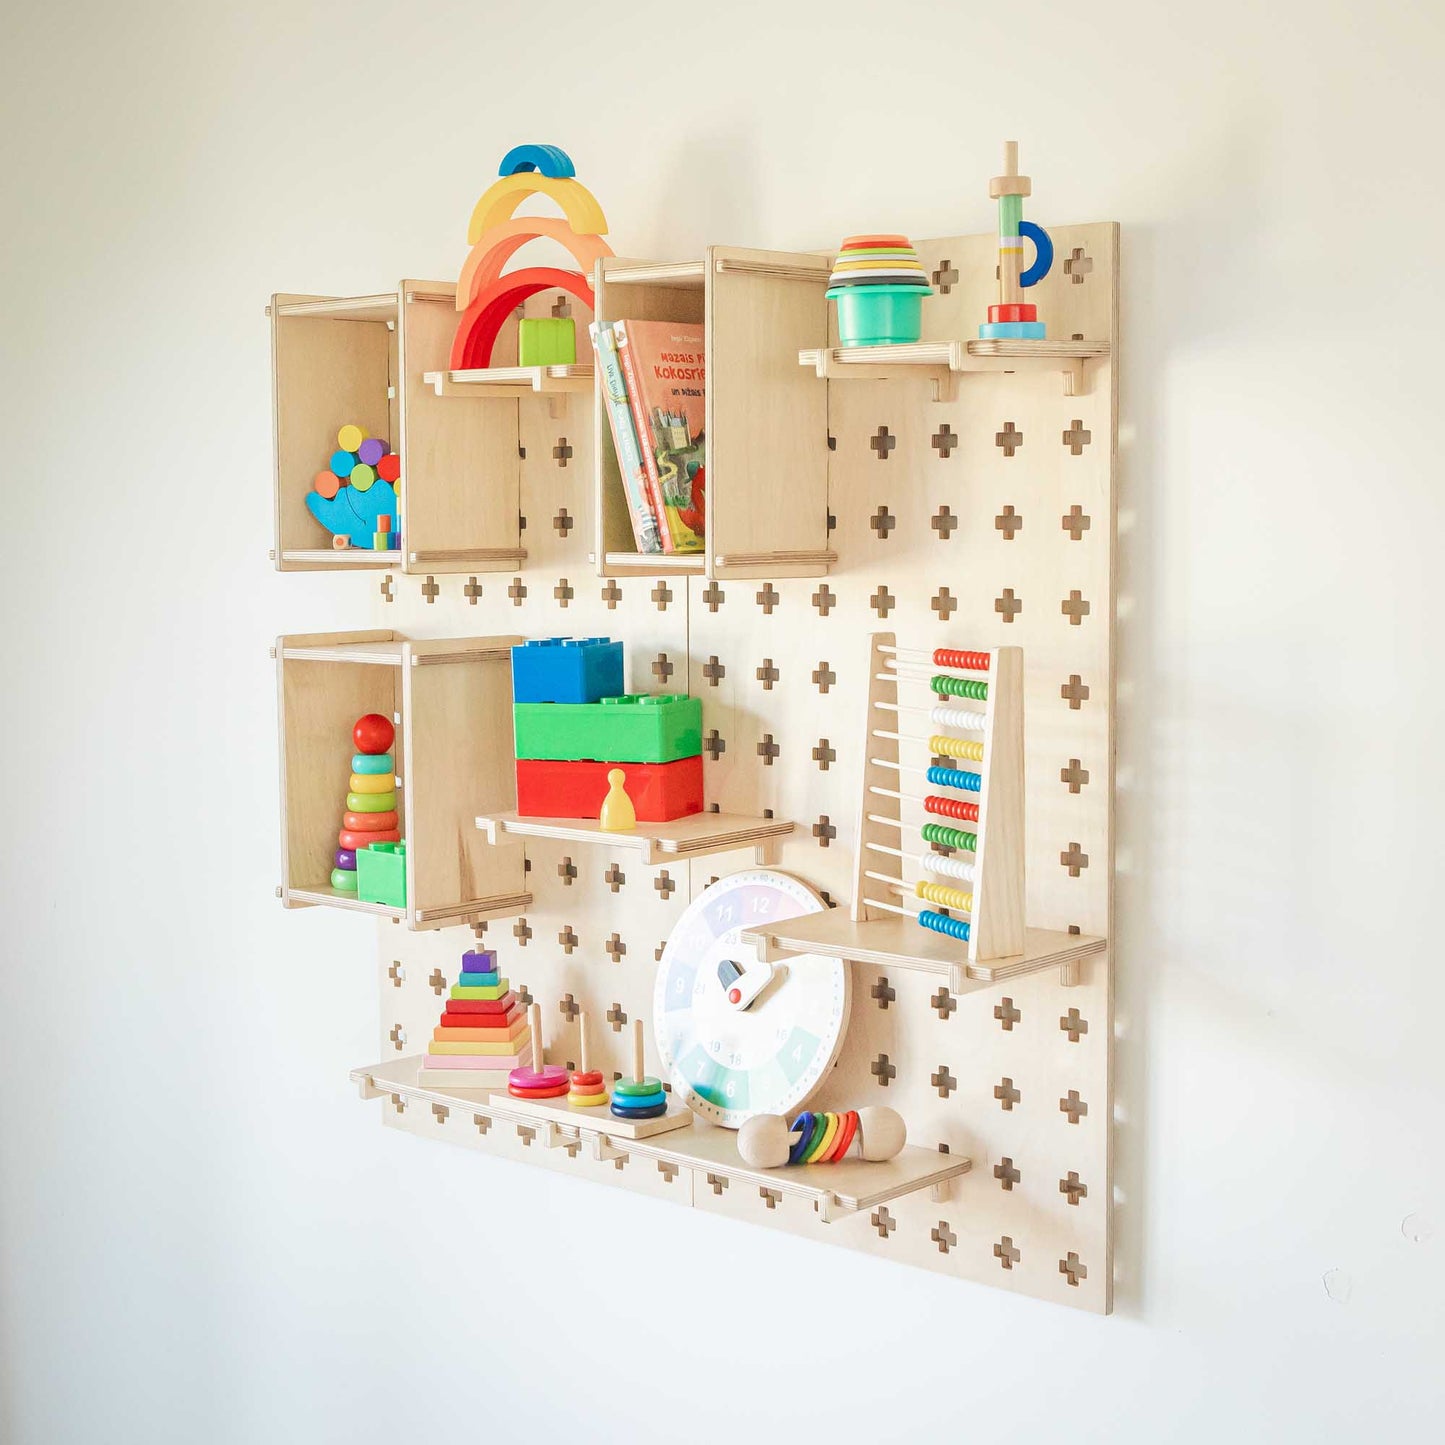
pixel 517 381
pixel 767 425
pixel 943 361
pixel 694 837
pixel 362 359
pixel 451 703
pixel 704 1151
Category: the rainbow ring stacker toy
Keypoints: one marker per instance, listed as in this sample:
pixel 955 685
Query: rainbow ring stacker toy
pixel 879 284
pixel 1015 319
pixel 641 1096
pixel 587 1089
pixel 541 1081
pixel 768 1141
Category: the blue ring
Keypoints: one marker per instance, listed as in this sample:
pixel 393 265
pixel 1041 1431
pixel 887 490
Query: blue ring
pixel 551 161
pixel 640 1101
pixel 370 764
pixel 1043 253
pixel 804 1121
pixel 655 1112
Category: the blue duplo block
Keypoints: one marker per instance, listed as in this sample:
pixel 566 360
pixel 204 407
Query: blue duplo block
pixel 1012 331
pixel 567 669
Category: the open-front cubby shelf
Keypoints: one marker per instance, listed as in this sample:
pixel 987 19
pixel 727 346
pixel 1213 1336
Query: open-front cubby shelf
pixel 693 837
pixel 766 421
pixel 362 359
pixel 901 943
pixel 943 362
pixel 513 381
pixel 705 1152
pixel 451 704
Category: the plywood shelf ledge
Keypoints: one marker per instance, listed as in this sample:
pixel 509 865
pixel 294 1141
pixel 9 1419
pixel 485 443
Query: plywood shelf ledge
pixel 505 381
pixel 694 837
pixel 703 1149
pixel 944 361
pixel 894 942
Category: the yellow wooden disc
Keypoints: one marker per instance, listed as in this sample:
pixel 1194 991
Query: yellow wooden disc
pixel 372 782
pixel 587 1101
pixel 349 438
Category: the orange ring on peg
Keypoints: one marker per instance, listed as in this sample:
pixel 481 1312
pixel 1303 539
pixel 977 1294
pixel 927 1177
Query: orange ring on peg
pixel 369 823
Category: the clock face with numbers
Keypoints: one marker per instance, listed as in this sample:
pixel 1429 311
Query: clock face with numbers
pixel 740 1037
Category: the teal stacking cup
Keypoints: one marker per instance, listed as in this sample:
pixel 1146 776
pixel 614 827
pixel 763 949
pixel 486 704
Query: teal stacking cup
pixel 879 315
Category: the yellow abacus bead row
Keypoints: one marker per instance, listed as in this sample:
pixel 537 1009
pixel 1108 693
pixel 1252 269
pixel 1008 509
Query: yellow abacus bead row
pixel 946 897
pixel 956 747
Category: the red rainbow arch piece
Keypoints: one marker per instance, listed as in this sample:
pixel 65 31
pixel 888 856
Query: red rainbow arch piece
pixel 493 304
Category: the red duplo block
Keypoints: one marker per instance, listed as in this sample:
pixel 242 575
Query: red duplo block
pixel 1014 311
pixel 659 791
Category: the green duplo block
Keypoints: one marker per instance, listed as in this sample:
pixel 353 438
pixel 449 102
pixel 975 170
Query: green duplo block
pixel 633 729
pixel 547 341
pixel 381 874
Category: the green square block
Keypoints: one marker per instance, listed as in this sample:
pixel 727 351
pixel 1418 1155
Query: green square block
pixel 381 874
pixel 634 729
pixel 547 341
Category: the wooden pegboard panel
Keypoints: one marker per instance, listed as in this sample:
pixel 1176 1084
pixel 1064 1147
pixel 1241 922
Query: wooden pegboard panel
pixel 980 522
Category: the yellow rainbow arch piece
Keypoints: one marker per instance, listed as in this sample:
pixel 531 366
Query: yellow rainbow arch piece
pixel 498 245
pixel 500 201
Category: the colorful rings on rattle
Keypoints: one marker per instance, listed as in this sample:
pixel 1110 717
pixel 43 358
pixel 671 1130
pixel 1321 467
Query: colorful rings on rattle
pixel 822 1138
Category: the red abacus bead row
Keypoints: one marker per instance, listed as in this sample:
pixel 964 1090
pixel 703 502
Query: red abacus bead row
pixel 967 661
pixel 951 808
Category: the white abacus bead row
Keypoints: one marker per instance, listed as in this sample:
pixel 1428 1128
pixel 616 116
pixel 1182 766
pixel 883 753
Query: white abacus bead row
pixel 957 717
pixel 946 867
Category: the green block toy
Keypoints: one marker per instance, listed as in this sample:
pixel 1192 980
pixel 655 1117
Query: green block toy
pixel 547 341
pixel 632 729
pixel 381 874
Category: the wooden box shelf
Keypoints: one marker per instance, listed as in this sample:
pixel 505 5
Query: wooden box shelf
pixel 694 837
pixel 834 1191
pixel 362 359
pixel 766 422
pixel 451 703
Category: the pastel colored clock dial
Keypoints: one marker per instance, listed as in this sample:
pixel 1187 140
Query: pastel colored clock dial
pixel 728 1063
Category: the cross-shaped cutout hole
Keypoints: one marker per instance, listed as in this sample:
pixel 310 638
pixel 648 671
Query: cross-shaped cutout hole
pixel 517 591
pixel 662 667
pixel 944 522
pixel 824 755
pixel 1007 605
pixel 430 590
pixel 943 1081
pixel 526 1133
pixel 1077 437
pixel 437 981
pixel 616 1018
pixel 614 877
pixel 561 305
pixel 1006 1253
pixel 1076 522
pixel 883 602
pixel 883 441
pixel 882 1221
pixel 440 1112
pixel 943 1236
pixel 568 939
pixel 714 744
pixel 1072 1188
pixel 882 992
pixel 1074 776
pixel 1074 859
pixel 1075 608
pixel 661 595
pixel 1006 1174
pixel 472 591
pixel 769 1197
pixel 563 522
pixel 667 1169
pixel 571 1147
pixel 1006 1094
pixel 388 589
pixel 713 596
pixel 714 671
pixel 611 594
pixel 615 949
pixel 396 972
pixel 562 452
pixel 482 1121
pixel 568 1007
pixel 824 831
pixel 664 884
pixel 883 1070
pixel 823 676
pixel 1008 522
pixel 1078 265
pixel 563 592
pixel 768 750
pixel 397 1037
pixel 943 1003
pixel 823 599
pixel 1072 1269
pixel 1072 1105
pixel 944 440
pixel 944 603
pixel 1007 1015
pixel 946 277
pixel 1075 692
pixel 398 1103
pixel 717 1182
pixel 883 522
pixel 1010 439
pixel 767 674
pixel 567 872
pixel 768 597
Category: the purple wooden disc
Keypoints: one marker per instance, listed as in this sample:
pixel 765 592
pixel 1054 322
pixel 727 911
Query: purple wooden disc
pixel 346 858
pixel 372 450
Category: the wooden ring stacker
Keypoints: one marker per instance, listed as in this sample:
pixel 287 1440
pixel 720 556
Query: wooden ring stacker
pixel 542 1080
pixel 641 1096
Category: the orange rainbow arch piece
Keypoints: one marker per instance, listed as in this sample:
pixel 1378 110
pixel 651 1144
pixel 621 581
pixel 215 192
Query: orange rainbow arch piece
pixel 501 243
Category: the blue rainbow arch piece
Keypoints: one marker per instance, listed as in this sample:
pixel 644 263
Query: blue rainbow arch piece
pixel 552 161
pixel 1043 253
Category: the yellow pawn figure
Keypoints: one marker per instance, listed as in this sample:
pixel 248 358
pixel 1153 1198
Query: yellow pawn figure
pixel 617 815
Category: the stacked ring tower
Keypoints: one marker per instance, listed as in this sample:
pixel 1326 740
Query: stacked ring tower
pixel 974 717
pixel 879 284
pixel 371 815
pixel 539 1080
pixel 642 1095
pixel 587 1090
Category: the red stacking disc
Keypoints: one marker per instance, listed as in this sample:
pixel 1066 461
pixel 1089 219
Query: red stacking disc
pixel 559 1092
pixel 860 243
pixel 1014 311
pixel 369 822
pixel 589 1082
pixel 347 838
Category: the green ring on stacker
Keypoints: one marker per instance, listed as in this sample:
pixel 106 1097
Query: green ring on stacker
pixel 820 1125
pixel 631 1088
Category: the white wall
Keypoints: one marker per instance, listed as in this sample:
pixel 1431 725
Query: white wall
pixel 203 1236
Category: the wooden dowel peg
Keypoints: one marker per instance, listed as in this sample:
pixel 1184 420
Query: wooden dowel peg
pixel 637 1074
pixel 582 1049
pixel 534 1017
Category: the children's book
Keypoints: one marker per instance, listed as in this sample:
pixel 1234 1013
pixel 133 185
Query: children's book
pixel 663 363
pixel 645 531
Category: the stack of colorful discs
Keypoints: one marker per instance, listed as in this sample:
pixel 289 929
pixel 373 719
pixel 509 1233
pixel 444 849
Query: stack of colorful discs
pixel 587 1091
pixel 540 1081
pixel 822 1138
pixel 483 1034
pixel 1016 321
pixel 879 284
pixel 641 1096
pixel 371 815
pixel 357 488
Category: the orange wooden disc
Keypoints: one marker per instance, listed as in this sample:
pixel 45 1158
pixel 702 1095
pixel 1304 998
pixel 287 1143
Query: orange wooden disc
pixel 853 242
pixel 326 483
pixel 369 822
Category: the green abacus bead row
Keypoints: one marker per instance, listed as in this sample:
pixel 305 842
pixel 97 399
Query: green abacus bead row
pixel 950 837
pixel 959 687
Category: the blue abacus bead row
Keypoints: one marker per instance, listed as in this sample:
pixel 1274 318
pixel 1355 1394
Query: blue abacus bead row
pixel 942 923
pixel 955 778
pixel 959 687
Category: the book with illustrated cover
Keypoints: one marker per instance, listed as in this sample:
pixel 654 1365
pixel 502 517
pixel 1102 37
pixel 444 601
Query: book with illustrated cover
pixel 645 530
pixel 664 367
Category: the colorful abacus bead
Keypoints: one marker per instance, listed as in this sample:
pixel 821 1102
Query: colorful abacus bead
pixel 639 1098
pixel 587 1091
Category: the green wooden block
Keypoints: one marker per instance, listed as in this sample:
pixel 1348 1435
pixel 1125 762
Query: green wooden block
pixel 547 341
pixel 632 729
pixel 381 874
